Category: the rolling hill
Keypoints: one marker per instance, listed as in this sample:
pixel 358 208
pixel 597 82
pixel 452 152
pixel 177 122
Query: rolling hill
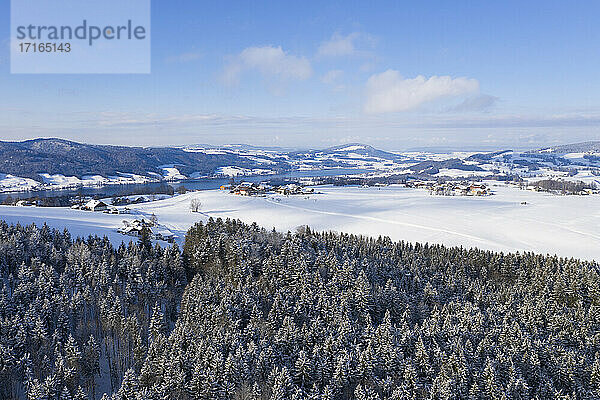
pixel 57 156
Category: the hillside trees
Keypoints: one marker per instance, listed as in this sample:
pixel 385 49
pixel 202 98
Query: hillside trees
pixel 245 313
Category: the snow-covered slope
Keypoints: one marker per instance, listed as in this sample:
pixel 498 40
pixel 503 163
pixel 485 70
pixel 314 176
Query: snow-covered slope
pixel 10 182
pixel 240 160
pixel 59 181
pixel 563 225
pixel 171 173
pixel 237 171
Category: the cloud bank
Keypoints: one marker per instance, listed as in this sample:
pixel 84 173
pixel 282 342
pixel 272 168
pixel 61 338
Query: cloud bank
pixel 390 131
pixel 390 92
pixel 271 62
pixel 339 45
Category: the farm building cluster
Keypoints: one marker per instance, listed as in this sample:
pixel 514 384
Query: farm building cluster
pixel 581 192
pixel 100 206
pixel 459 188
pixel 562 187
pixel 261 189
pixel 135 228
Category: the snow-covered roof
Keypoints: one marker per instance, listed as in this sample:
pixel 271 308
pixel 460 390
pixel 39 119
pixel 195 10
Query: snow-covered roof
pixel 94 204
pixel 161 231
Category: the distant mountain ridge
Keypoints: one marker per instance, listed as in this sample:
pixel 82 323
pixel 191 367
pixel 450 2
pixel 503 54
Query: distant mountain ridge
pixel 353 148
pixel 73 162
pixel 583 147
pixel 58 156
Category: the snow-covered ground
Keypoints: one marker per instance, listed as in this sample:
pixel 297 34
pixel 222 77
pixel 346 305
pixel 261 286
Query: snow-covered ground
pixel 563 225
pixel 572 165
pixel 59 181
pixel 171 173
pixel 239 171
pixel 459 173
pixel 79 223
pixel 10 182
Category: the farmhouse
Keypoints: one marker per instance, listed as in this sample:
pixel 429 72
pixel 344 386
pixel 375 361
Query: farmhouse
pixel 248 189
pixel 94 205
pixel 129 230
pixel 478 190
pixel 135 227
pixel 586 192
pixel 289 189
pixel 162 234
pixel 25 203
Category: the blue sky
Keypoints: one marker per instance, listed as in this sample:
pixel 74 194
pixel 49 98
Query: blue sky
pixel 397 75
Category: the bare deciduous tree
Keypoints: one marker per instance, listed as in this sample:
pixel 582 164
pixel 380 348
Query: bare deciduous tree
pixel 195 205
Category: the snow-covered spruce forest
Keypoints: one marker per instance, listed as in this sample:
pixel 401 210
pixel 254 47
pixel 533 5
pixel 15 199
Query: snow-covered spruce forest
pixel 245 313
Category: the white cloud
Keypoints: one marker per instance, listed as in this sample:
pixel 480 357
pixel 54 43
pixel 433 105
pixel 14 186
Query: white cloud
pixel 332 77
pixel 393 132
pixel 339 45
pixel 271 62
pixel 390 92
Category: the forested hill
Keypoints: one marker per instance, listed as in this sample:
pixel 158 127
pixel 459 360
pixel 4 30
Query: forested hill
pixel 57 156
pixel 291 316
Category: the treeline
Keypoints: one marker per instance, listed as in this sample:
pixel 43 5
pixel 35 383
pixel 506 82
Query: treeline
pixel 56 156
pixel 307 315
pixel 53 201
pixel 75 315
pixel 79 198
pixel 561 186
pixel 402 179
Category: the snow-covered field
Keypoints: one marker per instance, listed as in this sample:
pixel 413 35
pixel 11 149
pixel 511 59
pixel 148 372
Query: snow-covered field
pixel 171 173
pixel 563 225
pixel 10 182
pixel 79 223
pixel 459 173
pixel 239 171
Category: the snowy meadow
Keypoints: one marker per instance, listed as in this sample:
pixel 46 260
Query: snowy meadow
pixel 510 220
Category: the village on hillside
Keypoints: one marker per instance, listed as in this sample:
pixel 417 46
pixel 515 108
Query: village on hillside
pixel 451 188
pixel 448 188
